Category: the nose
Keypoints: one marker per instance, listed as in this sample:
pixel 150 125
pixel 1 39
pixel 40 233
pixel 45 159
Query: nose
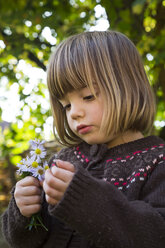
pixel 77 111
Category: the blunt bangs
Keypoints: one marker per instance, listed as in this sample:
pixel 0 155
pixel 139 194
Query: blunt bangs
pixel 68 69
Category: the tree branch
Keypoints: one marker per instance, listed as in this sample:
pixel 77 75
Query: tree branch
pixel 33 58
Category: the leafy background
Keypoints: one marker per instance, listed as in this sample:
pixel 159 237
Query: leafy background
pixel 29 31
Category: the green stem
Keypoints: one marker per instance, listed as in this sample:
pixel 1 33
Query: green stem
pixel 36 221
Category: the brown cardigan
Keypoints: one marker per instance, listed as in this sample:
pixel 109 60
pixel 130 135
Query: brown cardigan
pixel 115 200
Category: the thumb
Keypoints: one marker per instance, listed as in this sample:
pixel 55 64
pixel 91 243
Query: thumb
pixel 65 165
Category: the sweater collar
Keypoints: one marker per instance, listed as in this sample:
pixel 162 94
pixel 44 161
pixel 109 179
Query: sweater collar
pixel 97 151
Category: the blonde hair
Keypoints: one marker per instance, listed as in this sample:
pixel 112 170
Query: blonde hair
pixel 110 60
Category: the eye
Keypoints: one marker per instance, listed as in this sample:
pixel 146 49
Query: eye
pixel 66 107
pixel 90 97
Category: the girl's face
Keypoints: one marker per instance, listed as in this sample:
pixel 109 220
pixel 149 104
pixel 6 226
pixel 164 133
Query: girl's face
pixel 84 114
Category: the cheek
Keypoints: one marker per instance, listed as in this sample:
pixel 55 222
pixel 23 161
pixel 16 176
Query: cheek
pixel 99 110
pixel 69 120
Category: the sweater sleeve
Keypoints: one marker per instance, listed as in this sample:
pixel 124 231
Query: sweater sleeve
pixel 14 227
pixel 105 216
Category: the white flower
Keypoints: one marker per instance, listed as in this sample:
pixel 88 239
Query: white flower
pixel 23 166
pixel 38 151
pixel 36 142
pixel 39 173
pixel 45 165
pixel 34 164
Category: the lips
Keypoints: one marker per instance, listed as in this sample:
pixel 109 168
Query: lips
pixel 83 129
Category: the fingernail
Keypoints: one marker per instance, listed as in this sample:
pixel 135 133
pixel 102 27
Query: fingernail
pixel 54 164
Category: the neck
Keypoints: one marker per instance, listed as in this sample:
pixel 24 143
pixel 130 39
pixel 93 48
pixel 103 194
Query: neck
pixel 125 137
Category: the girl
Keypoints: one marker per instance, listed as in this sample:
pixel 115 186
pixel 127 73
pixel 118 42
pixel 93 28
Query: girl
pixel 107 188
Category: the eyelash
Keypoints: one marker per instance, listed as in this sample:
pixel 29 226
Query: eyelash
pixel 66 107
pixel 90 97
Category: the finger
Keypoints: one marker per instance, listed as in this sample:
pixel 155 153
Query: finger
pixel 28 181
pixel 28 200
pixel 50 200
pixel 27 211
pixel 65 165
pixel 30 191
pixel 53 193
pixel 62 174
pixel 52 182
pixel 41 183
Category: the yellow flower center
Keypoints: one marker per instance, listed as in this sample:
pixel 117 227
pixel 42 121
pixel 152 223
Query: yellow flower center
pixel 35 164
pixel 46 167
pixel 40 171
pixel 38 151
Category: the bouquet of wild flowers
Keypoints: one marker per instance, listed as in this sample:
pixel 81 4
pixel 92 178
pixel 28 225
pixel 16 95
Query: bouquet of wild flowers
pixel 34 165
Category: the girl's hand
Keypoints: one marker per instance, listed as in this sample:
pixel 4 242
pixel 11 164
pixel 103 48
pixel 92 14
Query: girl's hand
pixel 57 180
pixel 28 196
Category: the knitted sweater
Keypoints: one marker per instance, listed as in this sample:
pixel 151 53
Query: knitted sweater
pixel 116 199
